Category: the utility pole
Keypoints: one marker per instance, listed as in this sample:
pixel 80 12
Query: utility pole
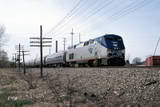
pixel 19 57
pixel 19 48
pixel 56 46
pixel 24 66
pixel 64 43
pixel 41 52
pixel 23 54
pixel 72 33
pixel 39 41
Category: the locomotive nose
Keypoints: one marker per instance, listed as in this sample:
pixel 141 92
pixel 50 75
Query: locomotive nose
pixel 115 53
pixel 109 55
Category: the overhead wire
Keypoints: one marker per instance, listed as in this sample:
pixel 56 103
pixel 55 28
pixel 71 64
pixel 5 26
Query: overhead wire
pixel 95 10
pixel 72 17
pixel 100 9
pixel 126 10
pixel 121 13
pixel 130 9
pixel 69 14
pixel 68 19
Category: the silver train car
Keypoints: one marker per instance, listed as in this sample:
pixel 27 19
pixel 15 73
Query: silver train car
pixel 56 59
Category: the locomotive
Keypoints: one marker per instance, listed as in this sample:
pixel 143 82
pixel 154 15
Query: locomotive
pixel 108 50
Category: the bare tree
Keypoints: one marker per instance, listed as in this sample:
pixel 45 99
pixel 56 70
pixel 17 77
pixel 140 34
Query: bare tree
pixel 3 59
pixel 3 54
pixel 2 35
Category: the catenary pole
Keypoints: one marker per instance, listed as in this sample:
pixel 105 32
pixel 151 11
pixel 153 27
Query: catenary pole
pixel 40 42
pixel 24 66
pixel 156 47
pixel 56 46
pixel 72 37
pixel 19 58
pixel 64 43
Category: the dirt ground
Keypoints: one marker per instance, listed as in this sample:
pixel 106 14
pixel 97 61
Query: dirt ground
pixel 81 87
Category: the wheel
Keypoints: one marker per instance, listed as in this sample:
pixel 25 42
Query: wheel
pixel 96 63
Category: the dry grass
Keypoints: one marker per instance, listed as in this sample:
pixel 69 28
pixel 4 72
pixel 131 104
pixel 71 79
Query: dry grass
pixel 85 87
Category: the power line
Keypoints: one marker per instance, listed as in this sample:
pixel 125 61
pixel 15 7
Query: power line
pixel 95 11
pixel 88 8
pixel 99 9
pixel 127 10
pixel 133 6
pixel 107 4
pixel 124 9
pixel 67 16
pixel 70 17
pixel 130 9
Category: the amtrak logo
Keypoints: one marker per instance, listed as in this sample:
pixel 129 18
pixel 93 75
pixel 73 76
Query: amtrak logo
pixel 90 50
pixel 115 44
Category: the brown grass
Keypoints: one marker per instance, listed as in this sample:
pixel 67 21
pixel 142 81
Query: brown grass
pixel 85 87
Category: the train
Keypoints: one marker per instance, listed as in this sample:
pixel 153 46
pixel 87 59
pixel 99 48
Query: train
pixel 106 50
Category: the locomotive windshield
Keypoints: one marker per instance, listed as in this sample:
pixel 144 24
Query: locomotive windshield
pixel 114 39
pixel 111 41
pixel 114 43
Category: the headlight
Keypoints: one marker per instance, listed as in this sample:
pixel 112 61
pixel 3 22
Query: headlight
pixel 109 50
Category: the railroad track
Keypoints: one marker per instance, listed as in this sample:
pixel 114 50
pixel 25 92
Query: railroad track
pixel 111 67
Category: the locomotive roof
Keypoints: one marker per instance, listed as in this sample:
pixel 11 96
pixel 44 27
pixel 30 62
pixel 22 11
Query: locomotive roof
pixel 110 36
pixel 106 36
pixel 56 54
pixel 70 47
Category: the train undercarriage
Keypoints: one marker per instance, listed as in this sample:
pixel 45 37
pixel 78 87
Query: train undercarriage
pixel 98 62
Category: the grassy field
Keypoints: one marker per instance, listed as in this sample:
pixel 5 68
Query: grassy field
pixel 80 87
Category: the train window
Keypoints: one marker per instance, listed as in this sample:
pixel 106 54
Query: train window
pixel 91 42
pixel 86 43
pixel 71 56
pixel 80 45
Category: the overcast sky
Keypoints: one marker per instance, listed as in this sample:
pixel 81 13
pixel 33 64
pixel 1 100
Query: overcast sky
pixel 137 21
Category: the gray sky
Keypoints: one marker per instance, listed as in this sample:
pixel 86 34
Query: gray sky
pixel 136 21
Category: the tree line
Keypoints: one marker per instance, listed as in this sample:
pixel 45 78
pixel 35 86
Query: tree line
pixel 4 62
